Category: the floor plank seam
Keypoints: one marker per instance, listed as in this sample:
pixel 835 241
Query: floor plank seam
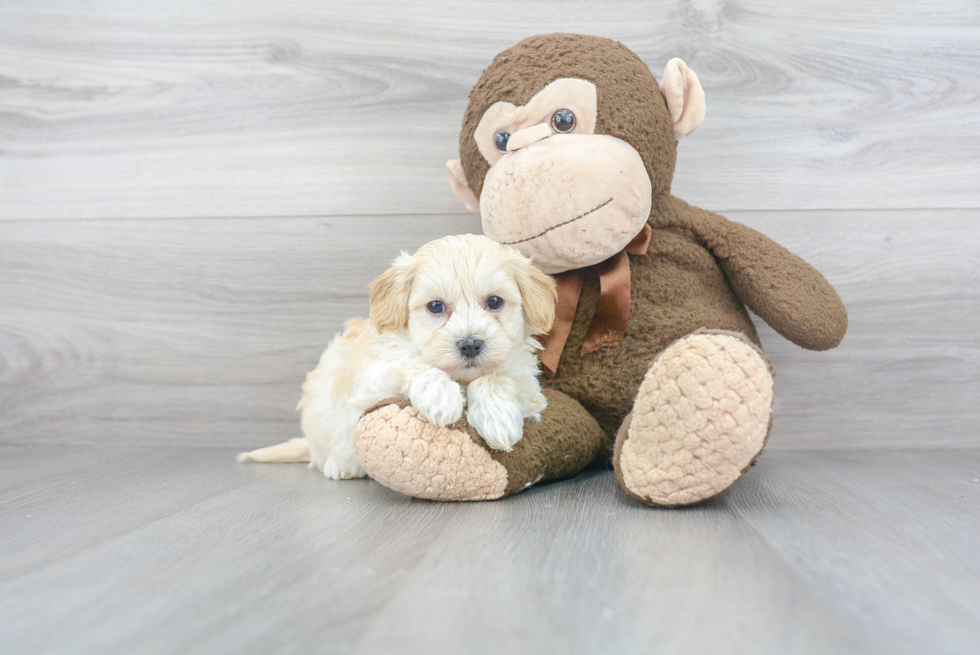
pixel 449 214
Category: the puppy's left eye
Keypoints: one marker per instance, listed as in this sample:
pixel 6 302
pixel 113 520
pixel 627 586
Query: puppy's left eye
pixel 495 302
pixel 436 307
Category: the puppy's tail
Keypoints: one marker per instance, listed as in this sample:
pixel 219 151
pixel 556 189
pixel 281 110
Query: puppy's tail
pixel 294 450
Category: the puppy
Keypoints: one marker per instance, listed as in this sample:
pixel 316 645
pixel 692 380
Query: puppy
pixel 463 309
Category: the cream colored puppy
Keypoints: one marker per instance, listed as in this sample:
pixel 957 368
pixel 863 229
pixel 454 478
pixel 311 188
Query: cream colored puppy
pixel 463 309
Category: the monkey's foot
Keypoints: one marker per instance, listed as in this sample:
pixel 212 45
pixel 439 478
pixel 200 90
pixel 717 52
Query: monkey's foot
pixel 700 420
pixel 404 452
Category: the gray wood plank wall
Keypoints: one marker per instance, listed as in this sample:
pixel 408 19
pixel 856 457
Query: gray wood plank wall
pixel 192 198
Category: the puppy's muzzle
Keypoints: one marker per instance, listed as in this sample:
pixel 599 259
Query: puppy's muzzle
pixel 470 348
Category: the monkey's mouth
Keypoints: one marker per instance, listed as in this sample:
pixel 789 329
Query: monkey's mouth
pixel 563 224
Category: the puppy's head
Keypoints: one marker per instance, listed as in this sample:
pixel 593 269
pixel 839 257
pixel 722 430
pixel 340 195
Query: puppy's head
pixel 467 301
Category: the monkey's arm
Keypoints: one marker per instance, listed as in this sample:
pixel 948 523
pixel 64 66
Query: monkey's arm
pixel 785 291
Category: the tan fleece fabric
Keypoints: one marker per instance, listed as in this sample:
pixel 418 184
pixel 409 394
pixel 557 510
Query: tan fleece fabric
pixel 578 96
pixel 701 418
pixel 402 451
pixel 528 136
pixel 526 200
pixel 685 97
pixel 420 459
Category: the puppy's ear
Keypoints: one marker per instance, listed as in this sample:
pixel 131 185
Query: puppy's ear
pixel 389 295
pixel 540 296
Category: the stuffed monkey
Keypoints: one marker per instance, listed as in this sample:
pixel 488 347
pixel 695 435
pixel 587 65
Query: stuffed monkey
pixel 567 152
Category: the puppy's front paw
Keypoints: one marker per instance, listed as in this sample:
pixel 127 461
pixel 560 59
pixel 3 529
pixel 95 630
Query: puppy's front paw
pixel 437 398
pixel 498 420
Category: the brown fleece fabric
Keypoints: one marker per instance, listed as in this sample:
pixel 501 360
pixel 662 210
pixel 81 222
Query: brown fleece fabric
pixel 697 273
pixel 558 447
pixel 785 291
pixel 630 107
pixel 699 268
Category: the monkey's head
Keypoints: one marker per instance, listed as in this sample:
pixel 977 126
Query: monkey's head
pixel 566 141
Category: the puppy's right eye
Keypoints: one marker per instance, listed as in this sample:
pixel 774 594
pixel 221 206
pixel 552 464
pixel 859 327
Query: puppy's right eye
pixel 436 307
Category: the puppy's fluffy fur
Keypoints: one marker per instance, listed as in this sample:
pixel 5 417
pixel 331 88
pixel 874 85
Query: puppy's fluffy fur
pixel 409 348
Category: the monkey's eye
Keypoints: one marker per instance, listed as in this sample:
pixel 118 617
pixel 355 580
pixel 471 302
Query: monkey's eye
pixel 500 140
pixel 563 120
pixel 436 307
pixel 495 302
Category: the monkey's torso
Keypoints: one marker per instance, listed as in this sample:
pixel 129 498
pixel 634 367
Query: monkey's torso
pixel 676 288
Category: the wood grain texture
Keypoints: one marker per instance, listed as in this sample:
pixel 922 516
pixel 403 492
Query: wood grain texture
pixel 206 558
pixel 201 331
pixel 875 530
pixel 223 179
pixel 584 569
pixel 125 330
pixel 307 107
pixel 856 552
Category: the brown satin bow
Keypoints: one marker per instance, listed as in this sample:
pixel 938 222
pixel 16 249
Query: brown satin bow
pixel 613 313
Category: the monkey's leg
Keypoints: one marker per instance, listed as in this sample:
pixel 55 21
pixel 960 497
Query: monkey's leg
pixel 404 452
pixel 701 418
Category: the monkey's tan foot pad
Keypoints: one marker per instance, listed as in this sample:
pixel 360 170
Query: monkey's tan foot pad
pixel 700 420
pixel 404 452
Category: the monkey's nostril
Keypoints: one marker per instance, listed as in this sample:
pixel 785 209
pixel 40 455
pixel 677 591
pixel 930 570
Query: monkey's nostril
pixel 470 348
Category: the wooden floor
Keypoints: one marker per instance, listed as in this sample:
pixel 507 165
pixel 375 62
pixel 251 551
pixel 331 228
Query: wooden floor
pixel 182 550
pixel 193 197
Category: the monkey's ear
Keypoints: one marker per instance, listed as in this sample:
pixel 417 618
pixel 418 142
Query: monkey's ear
pixel 457 181
pixel 685 97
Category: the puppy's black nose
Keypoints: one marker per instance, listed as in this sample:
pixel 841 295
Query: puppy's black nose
pixel 470 348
